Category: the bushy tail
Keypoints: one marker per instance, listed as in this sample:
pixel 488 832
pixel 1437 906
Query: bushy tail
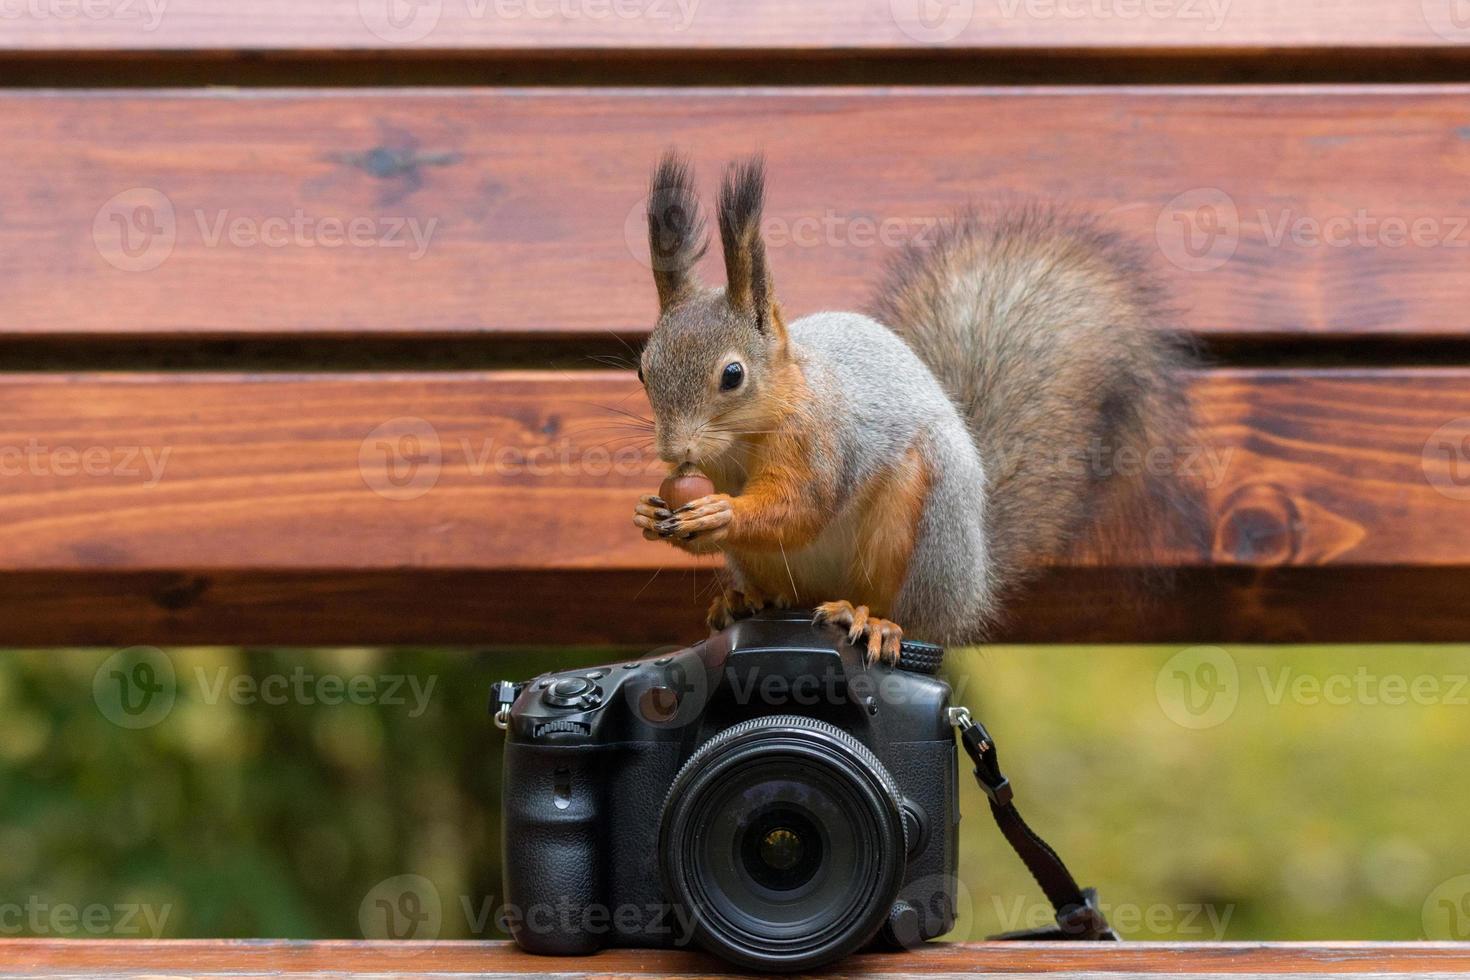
pixel 1050 336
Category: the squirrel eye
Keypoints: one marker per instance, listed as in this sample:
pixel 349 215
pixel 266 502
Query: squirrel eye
pixel 734 373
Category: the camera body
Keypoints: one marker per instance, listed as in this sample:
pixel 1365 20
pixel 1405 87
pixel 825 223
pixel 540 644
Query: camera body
pixel 763 794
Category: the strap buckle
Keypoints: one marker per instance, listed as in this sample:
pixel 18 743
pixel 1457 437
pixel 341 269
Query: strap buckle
pixel 502 695
pixel 980 747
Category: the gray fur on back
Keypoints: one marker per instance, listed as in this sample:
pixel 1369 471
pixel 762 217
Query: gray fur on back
pixel 880 400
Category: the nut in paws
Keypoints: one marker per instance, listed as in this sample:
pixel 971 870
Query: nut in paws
pixel 699 525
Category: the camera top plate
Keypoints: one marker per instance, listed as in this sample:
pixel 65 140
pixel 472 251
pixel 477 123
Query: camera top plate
pixel 775 662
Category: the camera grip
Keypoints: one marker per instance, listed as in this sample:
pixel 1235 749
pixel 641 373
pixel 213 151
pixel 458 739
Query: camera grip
pixel 555 887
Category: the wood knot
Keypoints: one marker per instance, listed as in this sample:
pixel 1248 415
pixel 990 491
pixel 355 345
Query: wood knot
pixel 1260 524
pixel 401 165
pixel 181 593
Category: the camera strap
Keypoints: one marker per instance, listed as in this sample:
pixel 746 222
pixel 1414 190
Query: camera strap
pixel 1077 912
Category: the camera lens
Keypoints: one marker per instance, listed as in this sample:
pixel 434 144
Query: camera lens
pixel 784 838
pixel 782 849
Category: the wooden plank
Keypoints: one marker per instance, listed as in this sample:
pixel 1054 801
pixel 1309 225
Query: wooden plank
pixel 637 609
pixel 129 958
pixel 495 507
pixel 1321 214
pixel 497 26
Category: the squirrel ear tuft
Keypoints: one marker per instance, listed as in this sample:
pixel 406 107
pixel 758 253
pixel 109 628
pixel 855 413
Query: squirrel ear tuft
pixel 676 238
pixel 742 199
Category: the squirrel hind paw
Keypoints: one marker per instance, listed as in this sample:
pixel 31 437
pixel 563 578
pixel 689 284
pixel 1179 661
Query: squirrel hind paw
pixel 733 605
pixel 881 638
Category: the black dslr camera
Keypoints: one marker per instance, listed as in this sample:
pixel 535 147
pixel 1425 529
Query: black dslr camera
pixel 762 794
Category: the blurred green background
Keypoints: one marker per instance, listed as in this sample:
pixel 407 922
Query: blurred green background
pixel 1238 793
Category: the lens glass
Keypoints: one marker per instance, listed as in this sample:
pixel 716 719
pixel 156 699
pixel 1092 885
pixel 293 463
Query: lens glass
pixel 784 849
pixel 781 847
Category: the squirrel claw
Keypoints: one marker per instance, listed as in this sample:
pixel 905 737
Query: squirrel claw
pixel 649 513
pixel 700 526
pixel 734 604
pixel 883 638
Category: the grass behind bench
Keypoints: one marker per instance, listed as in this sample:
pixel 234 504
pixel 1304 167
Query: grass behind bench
pixel 1285 818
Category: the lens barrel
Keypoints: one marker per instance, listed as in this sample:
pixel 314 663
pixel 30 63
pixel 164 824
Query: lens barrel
pixel 783 839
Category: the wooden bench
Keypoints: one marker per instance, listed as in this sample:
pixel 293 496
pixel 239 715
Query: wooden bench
pixel 216 426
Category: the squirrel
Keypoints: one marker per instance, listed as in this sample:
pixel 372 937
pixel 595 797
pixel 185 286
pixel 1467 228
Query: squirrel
pixel 921 464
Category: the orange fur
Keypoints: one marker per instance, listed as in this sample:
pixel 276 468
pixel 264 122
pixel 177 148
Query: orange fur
pixel 788 505
pixel 891 511
pixel 785 502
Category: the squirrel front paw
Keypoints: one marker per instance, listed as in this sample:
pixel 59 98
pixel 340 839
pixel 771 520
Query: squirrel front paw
pixel 883 638
pixel 649 512
pixel 699 527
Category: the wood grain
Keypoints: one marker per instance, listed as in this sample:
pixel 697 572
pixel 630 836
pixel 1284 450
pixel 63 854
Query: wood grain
pixel 1325 214
pixel 494 26
pixel 105 959
pixel 495 507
